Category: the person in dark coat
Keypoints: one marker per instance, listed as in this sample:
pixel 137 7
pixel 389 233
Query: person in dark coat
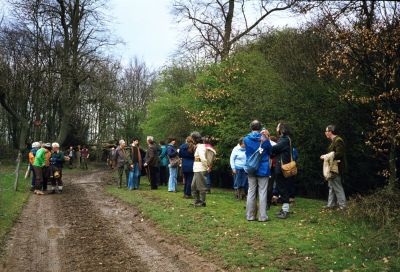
pixel 282 151
pixel 336 196
pixel 186 153
pixel 152 162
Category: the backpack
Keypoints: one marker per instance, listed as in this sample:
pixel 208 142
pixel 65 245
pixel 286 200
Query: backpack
pixel 253 162
pixel 211 155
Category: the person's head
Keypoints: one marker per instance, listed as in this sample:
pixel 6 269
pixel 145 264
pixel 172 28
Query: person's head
pixel 241 142
pixel 330 131
pixel 71 147
pixel 55 146
pixel 47 146
pixel 206 140
pixel 282 129
pixel 171 140
pixel 255 125
pixel 162 142
pixel 135 141
pixel 150 139
pixel 196 136
pixel 36 145
pixel 122 143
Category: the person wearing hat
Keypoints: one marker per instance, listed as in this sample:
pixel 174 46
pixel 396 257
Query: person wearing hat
pixel 31 157
pixel 38 165
pixel 56 163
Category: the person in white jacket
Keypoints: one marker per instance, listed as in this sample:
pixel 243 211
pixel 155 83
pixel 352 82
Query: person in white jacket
pixel 237 162
pixel 200 169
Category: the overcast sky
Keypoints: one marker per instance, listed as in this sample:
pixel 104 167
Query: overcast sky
pixel 149 32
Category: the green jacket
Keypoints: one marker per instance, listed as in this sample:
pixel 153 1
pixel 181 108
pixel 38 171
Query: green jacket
pixel 40 158
pixel 339 148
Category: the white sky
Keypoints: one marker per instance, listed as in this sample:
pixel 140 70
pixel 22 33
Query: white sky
pixel 149 32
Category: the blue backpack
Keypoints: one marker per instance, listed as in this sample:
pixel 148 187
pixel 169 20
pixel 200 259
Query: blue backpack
pixel 253 162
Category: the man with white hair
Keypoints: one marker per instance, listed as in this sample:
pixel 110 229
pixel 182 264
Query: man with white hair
pixel 122 162
pixel 56 163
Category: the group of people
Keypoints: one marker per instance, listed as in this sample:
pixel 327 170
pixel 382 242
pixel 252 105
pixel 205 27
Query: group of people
pixel 269 180
pixel 162 162
pixel 195 157
pixel 78 156
pixel 46 162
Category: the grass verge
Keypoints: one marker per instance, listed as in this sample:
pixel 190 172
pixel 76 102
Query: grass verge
pixel 11 202
pixel 309 240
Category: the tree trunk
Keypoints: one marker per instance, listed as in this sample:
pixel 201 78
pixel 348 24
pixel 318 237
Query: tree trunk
pixel 226 46
pixel 392 186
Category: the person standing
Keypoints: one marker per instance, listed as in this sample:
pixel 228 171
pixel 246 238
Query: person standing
pixel 237 162
pixel 173 165
pixel 259 180
pixel 186 153
pixel 152 162
pixel 38 164
pixel 122 162
pixel 71 155
pixel 283 155
pixel 84 157
pixel 47 170
pixel 336 196
pixel 163 164
pixel 78 156
pixel 56 162
pixel 200 169
pixel 31 157
pixel 136 166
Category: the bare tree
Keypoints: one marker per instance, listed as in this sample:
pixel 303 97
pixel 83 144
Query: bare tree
pixel 215 26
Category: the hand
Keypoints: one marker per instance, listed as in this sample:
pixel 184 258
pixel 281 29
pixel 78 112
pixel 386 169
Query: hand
pixel 234 171
pixel 145 164
pixel 322 157
pixel 265 132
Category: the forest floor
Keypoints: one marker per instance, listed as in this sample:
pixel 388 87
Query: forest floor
pixel 87 229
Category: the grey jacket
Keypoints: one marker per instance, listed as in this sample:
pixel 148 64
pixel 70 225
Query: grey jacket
pixel 121 157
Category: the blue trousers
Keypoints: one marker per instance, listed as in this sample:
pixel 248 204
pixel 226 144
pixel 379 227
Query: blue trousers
pixel 173 176
pixel 133 179
pixel 188 183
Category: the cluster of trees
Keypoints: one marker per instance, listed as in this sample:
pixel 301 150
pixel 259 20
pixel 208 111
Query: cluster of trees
pixel 342 67
pixel 56 81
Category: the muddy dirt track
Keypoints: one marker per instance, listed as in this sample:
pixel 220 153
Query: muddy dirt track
pixel 85 229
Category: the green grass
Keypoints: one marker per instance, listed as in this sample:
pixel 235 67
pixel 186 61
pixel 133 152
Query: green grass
pixel 309 240
pixel 11 202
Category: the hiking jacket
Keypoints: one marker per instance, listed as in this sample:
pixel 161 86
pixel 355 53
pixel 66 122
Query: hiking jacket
pixel 338 147
pixel 281 151
pixel 40 158
pixel 163 156
pixel 151 157
pixel 187 158
pixel 57 159
pixel 121 157
pixel 252 142
pixel 238 158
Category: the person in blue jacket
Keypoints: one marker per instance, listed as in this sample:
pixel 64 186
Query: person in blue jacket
pixel 186 153
pixel 237 162
pixel 259 180
pixel 163 164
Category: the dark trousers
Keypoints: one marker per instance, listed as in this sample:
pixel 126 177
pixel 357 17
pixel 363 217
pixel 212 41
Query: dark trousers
pixel 188 177
pixel 164 175
pixel 270 188
pixel 121 170
pixel 154 176
pixel 284 186
pixel 46 177
pixel 39 177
